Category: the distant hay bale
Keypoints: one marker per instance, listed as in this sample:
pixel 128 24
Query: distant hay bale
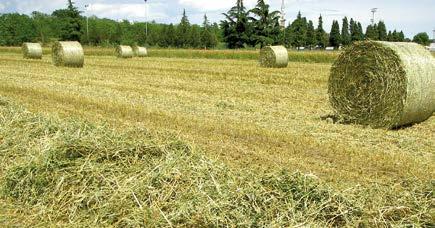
pixel 32 50
pixel 383 85
pixel 140 51
pixel 68 54
pixel 124 51
pixel 274 57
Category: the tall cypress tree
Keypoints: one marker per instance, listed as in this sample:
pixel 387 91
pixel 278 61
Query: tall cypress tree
pixel 382 31
pixel 345 35
pixel 311 35
pixel 372 32
pixel 183 31
pixel 360 31
pixel 208 37
pixel 321 36
pixel 299 31
pixel 334 36
pixel 70 22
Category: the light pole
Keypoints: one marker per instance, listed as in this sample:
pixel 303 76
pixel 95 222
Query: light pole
pixel 87 23
pixel 374 10
pixel 146 19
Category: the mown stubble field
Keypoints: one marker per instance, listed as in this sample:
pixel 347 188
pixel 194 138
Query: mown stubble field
pixel 248 117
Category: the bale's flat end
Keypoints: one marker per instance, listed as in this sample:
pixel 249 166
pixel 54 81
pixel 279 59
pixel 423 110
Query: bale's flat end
pixel 274 57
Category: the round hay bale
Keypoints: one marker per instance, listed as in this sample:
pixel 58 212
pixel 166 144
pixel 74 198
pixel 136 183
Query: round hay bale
pixel 274 57
pixel 140 51
pixel 32 50
pixel 123 51
pixel 383 85
pixel 68 54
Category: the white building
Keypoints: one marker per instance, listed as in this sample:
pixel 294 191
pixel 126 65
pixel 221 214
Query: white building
pixel 432 47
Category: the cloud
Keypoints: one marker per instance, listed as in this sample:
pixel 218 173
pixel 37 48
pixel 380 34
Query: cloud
pixel 213 5
pixel 28 6
pixel 2 6
pixel 127 11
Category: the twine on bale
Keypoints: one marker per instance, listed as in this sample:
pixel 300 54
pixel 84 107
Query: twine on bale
pixel 140 51
pixel 124 51
pixel 68 54
pixel 32 50
pixel 383 85
pixel 274 57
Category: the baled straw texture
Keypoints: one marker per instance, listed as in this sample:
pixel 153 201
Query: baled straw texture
pixel 32 50
pixel 68 54
pixel 124 51
pixel 383 85
pixel 274 57
pixel 140 51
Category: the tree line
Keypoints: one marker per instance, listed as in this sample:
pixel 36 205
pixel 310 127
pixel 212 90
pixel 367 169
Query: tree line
pixel 241 28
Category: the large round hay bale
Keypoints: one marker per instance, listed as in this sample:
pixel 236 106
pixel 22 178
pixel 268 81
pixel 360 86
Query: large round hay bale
pixel 68 54
pixel 140 51
pixel 123 51
pixel 274 57
pixel 32 50
pixel 383 85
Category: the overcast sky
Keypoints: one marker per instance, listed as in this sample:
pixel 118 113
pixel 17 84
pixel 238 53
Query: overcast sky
pixel 412 16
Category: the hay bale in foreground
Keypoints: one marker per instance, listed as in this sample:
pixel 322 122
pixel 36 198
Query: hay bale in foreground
pixel 68 54
pixel 124 51
pixel 32 50
pixel 140 51
pixel 383 85
pixel 274 57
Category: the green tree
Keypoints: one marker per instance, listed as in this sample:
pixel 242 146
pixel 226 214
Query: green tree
pixel 311 35
pixel 422 38
pixel 170 36
pixel 69 22
pixel 16 28
pixel 194 37
pixel 335 36
pixel 390 36
pixel 265 23
pixel 345 35
pixel 43 24
pixel 183 32
pixel 382 31
pixel 208 37
pixel 298 31
pixel 401 36
pixel 372 32
pixel 236 28
pixel 322 37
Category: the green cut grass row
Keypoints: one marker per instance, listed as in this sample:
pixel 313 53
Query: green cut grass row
pixel 294 56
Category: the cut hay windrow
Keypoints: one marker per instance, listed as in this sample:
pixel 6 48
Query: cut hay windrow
pixel 123 51
pixel 274 57
pixel 75 173
pixel 32 50
pixel 383 85
pixel 68 54
pixel 140 51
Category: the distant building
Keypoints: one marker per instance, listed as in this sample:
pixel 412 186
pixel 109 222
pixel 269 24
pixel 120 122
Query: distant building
pixel 432 47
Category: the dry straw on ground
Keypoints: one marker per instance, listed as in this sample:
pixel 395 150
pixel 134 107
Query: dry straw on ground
pixel 68 54
pixel 274 57
pixel 140 51
pixel 123 51
pixel 32 50
pixel 383 85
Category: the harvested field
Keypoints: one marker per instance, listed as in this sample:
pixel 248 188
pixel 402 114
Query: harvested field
pixel 249 118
